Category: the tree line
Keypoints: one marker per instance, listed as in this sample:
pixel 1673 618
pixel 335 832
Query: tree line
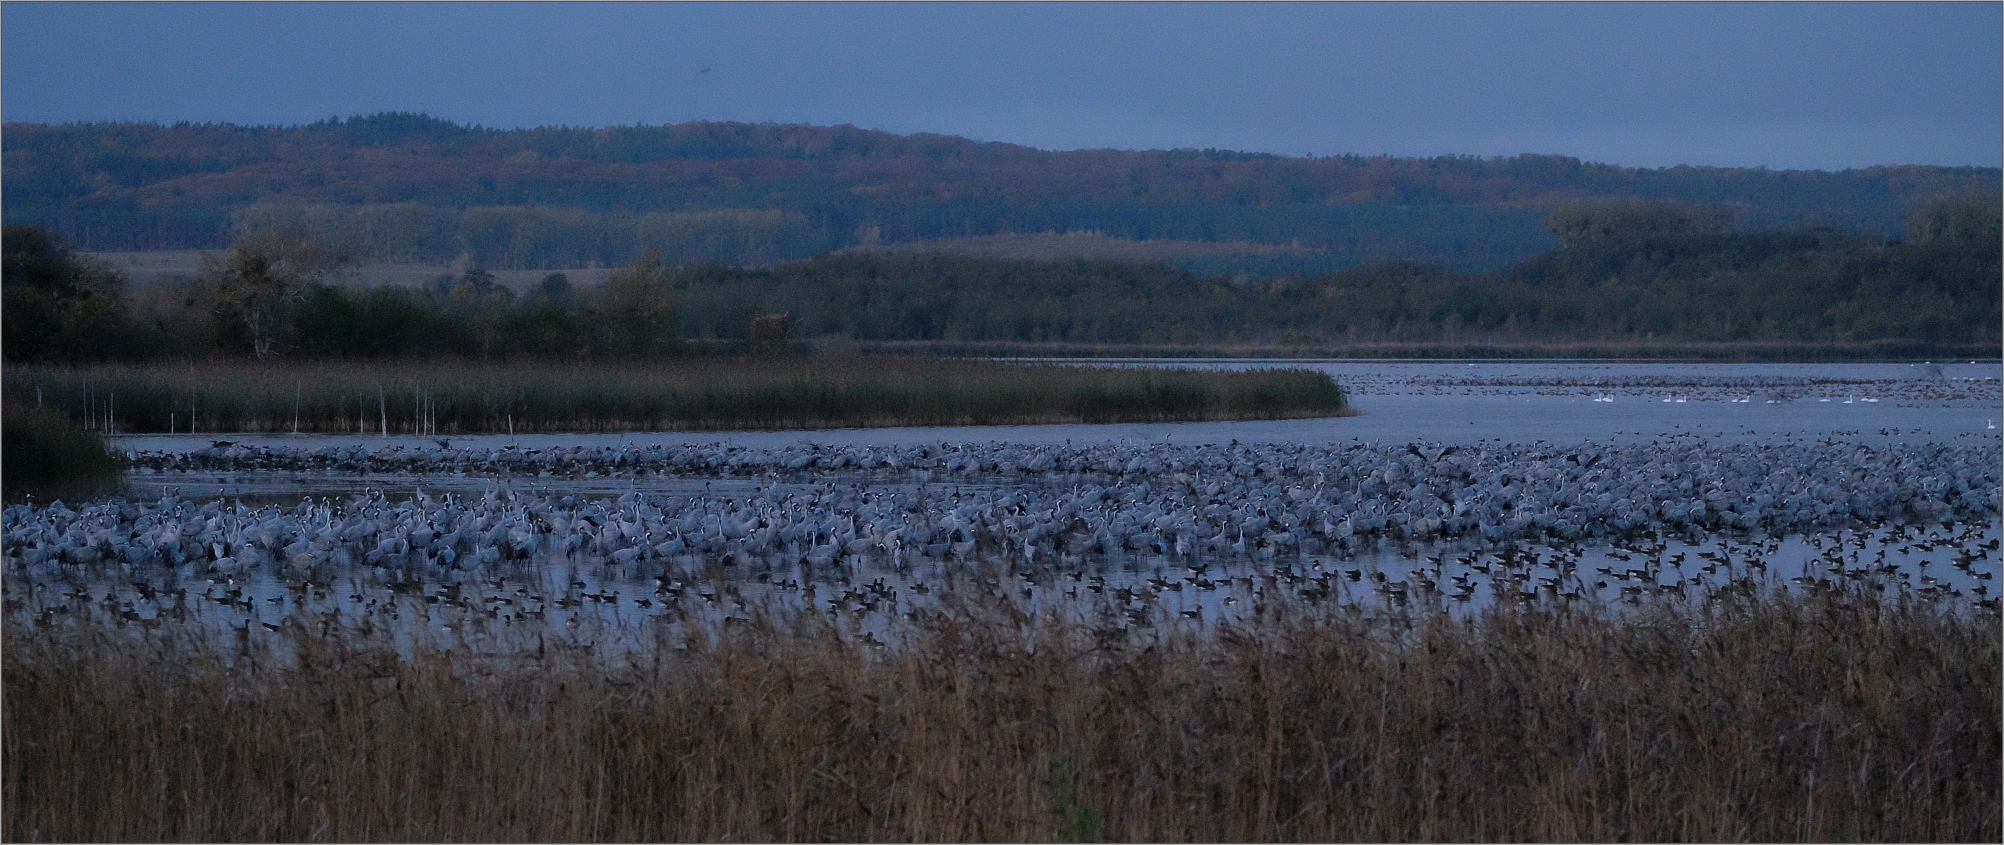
pixel 776 193
pixel 286 293
pixel 1625 270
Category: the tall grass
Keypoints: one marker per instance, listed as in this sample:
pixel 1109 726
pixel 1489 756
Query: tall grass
pixel 466 397
pixel 1774 717
pixel 43 452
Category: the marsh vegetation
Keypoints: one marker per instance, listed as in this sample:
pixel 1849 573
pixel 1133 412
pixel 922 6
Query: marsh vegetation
pixel 47 453
pixel 1820 716
pixel 448 398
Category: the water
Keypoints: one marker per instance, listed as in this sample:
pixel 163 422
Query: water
pixel 1446 403
pixel 592 601
pixel 594 597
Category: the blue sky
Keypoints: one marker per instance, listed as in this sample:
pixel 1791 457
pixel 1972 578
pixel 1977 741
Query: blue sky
pixel 1785 85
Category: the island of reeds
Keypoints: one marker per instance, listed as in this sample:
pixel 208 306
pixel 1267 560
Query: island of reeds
pixel 711 394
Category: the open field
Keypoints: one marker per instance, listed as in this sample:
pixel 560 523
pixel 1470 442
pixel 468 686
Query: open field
pixel 469 397
pixel 1064 246
pixel 180 264
pixel 1823 716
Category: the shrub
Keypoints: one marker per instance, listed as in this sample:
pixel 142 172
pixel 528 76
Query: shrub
pixel 42 451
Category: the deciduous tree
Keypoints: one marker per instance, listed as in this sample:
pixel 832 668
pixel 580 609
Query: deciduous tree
pixel 637 308
pixel 1590 221
pixel 263 275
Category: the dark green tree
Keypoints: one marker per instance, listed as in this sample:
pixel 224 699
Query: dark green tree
pixel 1590 221
pixel 771 336
pixel 1962 221
pixel 59 305
pixel 636 307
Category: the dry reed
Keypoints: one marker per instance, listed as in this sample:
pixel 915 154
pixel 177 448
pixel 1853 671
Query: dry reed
pixel 472 397
pixel 1750 717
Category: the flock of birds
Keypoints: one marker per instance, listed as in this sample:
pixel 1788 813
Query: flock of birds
pixel 1182 499
pixel 1127 523
pixel 1143 532
pixel 488 603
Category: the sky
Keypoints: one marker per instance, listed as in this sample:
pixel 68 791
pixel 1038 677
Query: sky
pixel 1781 85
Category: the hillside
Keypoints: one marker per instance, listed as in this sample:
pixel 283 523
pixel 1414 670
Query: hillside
pixel 412 189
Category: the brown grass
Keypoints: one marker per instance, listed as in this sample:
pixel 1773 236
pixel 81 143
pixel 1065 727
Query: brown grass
pixel 1828 717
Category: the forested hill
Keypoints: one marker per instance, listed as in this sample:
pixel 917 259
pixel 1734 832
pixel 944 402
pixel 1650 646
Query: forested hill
pixel 404 187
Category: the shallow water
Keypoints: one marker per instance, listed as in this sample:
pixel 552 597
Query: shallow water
pixel 1446 403
pixel 591 600
pixel 1434 402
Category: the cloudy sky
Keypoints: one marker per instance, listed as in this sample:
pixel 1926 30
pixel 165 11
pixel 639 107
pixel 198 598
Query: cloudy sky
pixel 1786 85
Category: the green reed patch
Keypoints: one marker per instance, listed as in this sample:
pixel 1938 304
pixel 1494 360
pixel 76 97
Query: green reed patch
pixel 43 451
pixel 1773 717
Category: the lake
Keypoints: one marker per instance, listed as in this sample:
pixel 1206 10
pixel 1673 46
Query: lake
pixel 1634 414
pixel 1449 402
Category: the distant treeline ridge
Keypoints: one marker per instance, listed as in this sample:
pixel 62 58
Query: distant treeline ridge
pixel 412 187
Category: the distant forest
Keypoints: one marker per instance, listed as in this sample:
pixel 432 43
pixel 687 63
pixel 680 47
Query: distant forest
pixel 1624 271
pixel 411 188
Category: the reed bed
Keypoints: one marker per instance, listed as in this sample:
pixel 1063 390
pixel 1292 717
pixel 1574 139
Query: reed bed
pixel 1820 717
pixel 471 397
pixel 43 452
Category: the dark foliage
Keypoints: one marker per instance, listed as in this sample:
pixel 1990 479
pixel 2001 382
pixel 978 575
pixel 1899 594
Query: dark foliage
pixel 61 306
pixel 43 451
pixel 1629 273
pixel 405 186
pixel 464 397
